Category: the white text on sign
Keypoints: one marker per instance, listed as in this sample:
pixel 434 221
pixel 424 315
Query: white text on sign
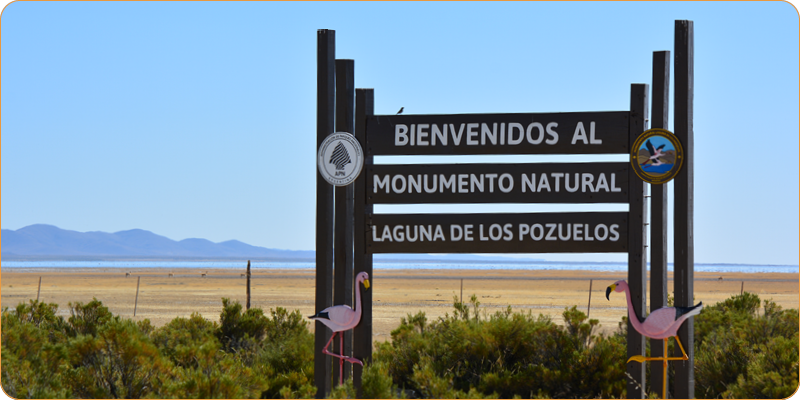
pixel 480 134
pixel 487 183
pixel 575 232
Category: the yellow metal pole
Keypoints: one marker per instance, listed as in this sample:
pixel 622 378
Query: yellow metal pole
pixel 664 386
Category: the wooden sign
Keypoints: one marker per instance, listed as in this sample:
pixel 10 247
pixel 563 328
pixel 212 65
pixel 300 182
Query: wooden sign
pixel 613 132
pixel 498 183
pixel 582 232
pixel 553 133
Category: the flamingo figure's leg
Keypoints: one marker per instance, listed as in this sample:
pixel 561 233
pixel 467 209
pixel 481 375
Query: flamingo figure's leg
pixel 665 358
pixel 342 357
pixel 685 357
pixel 643 359
pixel 341 360
pixel 325 349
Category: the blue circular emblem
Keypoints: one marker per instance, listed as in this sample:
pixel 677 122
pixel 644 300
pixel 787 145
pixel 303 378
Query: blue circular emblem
pixel 657 156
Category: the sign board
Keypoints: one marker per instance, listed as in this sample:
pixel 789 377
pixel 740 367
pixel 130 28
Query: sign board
pixel 466 134
pixel 500 134
pixel 340 159
pixel 580 232
pixel 498 183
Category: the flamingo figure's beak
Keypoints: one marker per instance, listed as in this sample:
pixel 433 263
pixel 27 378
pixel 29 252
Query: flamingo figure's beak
pixel 366 284
pixel 609 289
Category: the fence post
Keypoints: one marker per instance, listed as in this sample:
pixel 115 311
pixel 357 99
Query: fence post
pixel 136 302
pixel 38 291
pixel 247 306
pixel 589 307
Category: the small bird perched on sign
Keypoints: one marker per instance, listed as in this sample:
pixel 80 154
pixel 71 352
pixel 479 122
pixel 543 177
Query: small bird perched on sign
pixel 401 111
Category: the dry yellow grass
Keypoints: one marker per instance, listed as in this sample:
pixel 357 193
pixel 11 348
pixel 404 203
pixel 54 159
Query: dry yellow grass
pixel 396 292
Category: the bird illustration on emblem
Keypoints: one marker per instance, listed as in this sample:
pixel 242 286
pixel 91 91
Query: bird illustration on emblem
pixel 655 153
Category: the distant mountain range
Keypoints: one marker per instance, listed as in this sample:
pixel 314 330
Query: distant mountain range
pixel 40 241
pixel 47 241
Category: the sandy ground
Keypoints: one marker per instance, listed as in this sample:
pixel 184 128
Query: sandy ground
pixel 396 293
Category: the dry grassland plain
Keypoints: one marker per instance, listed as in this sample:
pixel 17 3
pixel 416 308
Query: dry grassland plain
pixel 396 293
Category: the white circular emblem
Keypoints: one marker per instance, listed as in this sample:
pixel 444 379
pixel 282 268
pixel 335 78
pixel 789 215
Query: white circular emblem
pixel 340 159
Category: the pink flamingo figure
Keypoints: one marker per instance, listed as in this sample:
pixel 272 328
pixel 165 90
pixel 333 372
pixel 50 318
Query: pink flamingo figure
pixel 342 318
pixel 660 324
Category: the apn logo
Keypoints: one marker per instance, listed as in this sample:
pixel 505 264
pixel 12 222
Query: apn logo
pixel 340 158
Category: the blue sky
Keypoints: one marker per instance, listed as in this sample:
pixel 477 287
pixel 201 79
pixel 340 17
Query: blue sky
pixel 198 119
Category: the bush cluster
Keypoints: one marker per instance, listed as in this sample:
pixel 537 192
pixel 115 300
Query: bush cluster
pixel 744 348
pixel 94 354
pixel 474 354
pixel 746 351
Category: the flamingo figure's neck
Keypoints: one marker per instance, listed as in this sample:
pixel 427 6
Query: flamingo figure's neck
pixel 358 300
pixel 631 312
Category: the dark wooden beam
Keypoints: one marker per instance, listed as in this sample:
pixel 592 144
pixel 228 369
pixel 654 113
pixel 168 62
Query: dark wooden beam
pixel 362 334
pixel 658 222
pixel 637 267
pixel 684 201
pixel 326 50
pixel 343 204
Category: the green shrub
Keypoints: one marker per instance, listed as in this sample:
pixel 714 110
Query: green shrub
pixel 376 382
pixel 33 352
pixel 240 330
pixel 118 362
pixel 181 339
pixel 735 349
pixel 285 357
pixel 744 348
pixel 86 319
pixel 505 354
pixel 214 374
pixel 772 374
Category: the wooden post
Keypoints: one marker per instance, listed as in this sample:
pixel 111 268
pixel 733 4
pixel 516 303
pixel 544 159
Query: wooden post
pixel 326 49
pixel 637 231
pixel 136 302
pixel 589 306
pixel 38 291
pixel 461 296
pixel 343 208
pixel 684 201
pixel 658 222
pixel 362 333
pixel 741 291
pixel 247 306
